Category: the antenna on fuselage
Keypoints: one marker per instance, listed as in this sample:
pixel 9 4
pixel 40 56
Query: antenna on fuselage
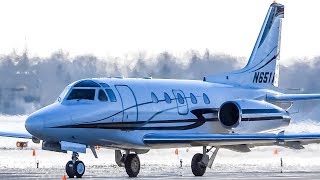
pixel 25 52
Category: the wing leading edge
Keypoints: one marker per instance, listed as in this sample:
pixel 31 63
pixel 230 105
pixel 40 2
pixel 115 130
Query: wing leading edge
pixel 194 139
pixel 16 135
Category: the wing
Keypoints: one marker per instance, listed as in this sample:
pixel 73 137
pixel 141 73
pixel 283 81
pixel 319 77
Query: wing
pixel 292 97
pixel 16 135
pixel 288 140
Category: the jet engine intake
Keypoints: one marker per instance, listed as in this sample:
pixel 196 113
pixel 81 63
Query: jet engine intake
pixel 233 113
pixel 229 115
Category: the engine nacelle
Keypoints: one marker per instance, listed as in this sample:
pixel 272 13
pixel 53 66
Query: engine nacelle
pixel 232 113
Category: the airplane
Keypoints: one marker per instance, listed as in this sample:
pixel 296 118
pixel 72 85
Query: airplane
pixel 237 110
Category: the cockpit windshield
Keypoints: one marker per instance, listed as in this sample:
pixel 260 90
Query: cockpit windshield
pixel 78 94
pixel 87 90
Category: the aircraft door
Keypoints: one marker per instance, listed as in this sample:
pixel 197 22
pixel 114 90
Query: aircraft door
pixel 181 101
pixel 129 103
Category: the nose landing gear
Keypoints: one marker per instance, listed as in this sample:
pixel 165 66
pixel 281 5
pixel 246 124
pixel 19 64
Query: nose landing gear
pixel 75 167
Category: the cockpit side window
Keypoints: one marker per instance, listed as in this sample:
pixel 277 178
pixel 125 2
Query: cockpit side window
pixel 79 94
pixel 102 95
pixel 111 95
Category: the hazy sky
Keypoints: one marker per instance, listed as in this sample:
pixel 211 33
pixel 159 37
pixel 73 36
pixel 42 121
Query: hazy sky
pixel 117 27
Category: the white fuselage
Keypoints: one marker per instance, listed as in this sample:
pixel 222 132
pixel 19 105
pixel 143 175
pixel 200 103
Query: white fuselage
pixel 143 106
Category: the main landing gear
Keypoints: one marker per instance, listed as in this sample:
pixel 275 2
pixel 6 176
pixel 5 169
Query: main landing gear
pixel 200 162
pixel 75 167
pixel 130 162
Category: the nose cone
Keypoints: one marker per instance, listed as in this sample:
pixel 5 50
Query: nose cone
pixel 34 125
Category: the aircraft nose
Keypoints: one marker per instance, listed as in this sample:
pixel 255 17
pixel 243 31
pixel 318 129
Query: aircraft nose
pixel 34 125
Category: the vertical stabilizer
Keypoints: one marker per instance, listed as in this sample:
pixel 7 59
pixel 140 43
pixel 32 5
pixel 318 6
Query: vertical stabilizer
pixel 262 69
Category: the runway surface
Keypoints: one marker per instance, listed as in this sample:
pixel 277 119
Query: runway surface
pixel 165 164
pixel 109 172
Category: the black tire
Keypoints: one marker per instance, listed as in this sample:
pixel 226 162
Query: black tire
pixel 69 169
pixel 197 169
pixel 132 165
pixel 79 168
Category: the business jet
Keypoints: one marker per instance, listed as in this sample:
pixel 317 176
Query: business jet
pixel 238 110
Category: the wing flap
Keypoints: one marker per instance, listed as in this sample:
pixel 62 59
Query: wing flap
pixel 292 97
pixel 228 139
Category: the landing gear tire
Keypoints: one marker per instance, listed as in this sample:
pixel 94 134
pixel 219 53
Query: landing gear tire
pixel 69 169
pixel 198 169
pixel 75 169
pixel 132 165
pixel 79 168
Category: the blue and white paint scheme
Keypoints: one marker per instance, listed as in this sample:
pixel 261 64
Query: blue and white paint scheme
pixel 262 69
pixel 237 110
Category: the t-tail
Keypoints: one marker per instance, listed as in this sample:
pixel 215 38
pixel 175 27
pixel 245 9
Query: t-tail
pixel 262 70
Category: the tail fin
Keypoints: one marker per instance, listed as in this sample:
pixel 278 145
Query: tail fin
pixel 262 69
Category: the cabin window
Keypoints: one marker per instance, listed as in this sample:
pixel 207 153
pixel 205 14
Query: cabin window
pixel 180 99
pixel 154 98
pixel 111 95
pixel 167 98
pixel 87 83
pixel 193 99
pixel 79 94
pixel 206 99
pixel 102 95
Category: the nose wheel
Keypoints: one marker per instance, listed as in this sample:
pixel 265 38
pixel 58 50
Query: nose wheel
pixel 75 168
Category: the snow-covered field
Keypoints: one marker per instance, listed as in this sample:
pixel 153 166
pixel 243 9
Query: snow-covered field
pixel 158 163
